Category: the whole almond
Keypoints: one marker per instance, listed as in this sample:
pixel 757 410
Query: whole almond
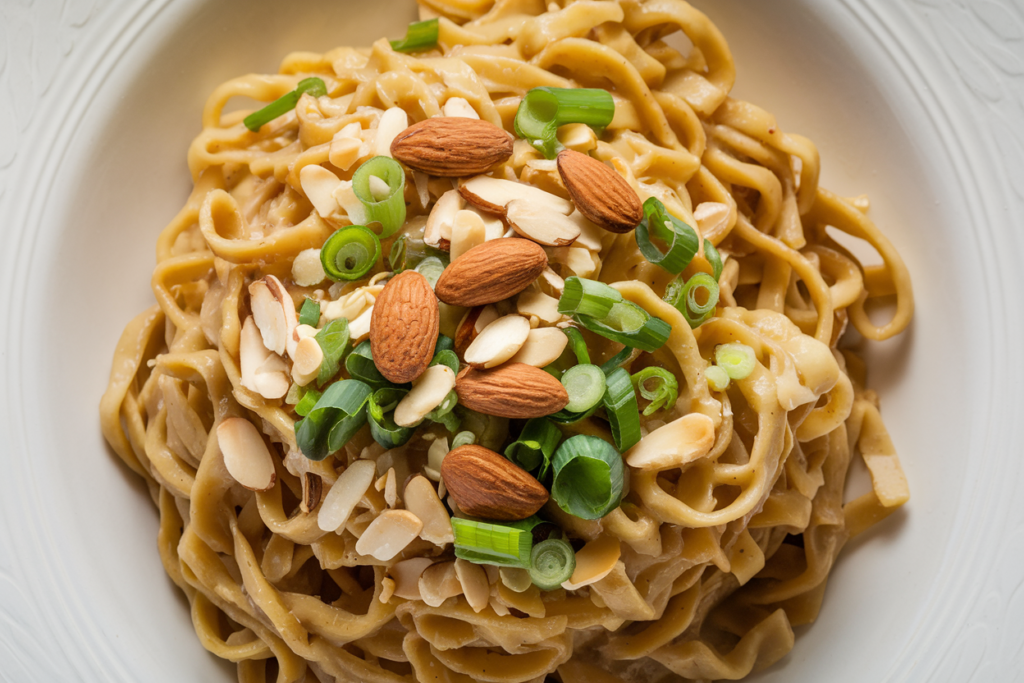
pixel 600 194
pixel 403 327
pixel 491 272
pixel 452 147
pixel 513 390
pixel 487 485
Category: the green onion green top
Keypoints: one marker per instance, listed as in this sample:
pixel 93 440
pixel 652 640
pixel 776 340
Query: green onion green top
pixel 309 314
pixel 284 104
pixel 664 392
pixel 577 344
pixel 335 419
pixel 588 474
pixel 505 545
pixel 631 325
pixel 533 449
pixel 687 298
pixel 681 239
pixel 622 410
pixel 587 297
pixel 333 340
pixel 421 35
pixel 543 110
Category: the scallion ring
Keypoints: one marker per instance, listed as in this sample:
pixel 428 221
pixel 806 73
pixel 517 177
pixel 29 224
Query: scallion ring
pixel 714 258
pixel 587 297
pixel 736 359
pixel 585 385
pixel 588 477
pixel 681 239
pixel 631 325
pixel 421 35
pixel 430 268
pixel 700 286
pixel 350 253
pixel 718 379
pixel 552 562
pixel 536 444
pixel 463 439
pixel 622 410
pixel 544 109
pixel 664 392
pixel 396 257
pixel 577 344
pixel 284 104
pixel 384 198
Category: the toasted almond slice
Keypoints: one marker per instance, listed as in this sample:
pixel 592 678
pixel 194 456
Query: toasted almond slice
pixel 307 270
pixel 543 346
pixel 438 583
pixel 271 379
pixel 532 302
pixel 360 327
pixel 421 499
pixel 252 353
pixel 494 194
pixel 679 442
pixel 349 203
pixel 459 107
pixel 312 490
pixel 435 454
pixel 515 579
pixel 427 393
pixel 392 122
pixel 306 361
pixel 406 575
pixel 291 317
pixel 269 315
pixel 468 230
pixel 540 224
pixel 712 219
pixel 345 494
pixel 594 561
pixel 389 534
pixel 438 232
pixel 246 455
pixel 590 233
pixel 474 584
pixel 319 185
pixel 578 136
pixel 344 152
pixel 391 488
pixel 387 589
pixel 581 261
pixel 498 342
pixel 303 331
pixel 552 281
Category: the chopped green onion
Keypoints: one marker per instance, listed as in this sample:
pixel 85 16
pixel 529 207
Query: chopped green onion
pixel 736 359
pixel 333 340
pixel 718 379
pixel 588 476
pixel 617 360
pixel 587 297
pixel 714 258
pixel 463 439
pixel 543 110
pixel 360 366
pixel 284 104
pixel 388 210
pixel 445 413
pixel 444 343
pixel 335 418
pixel 309 314
pixel 430 268
pixel 421 35
pixel 396 257
pixel 503 545
pixel 380 414
pixel 684 298
pixel 585 385
pixel 631 325
pixel 622 410
pixel 578 345
pixel 665 391
pixel 446 357
pixel 552 562
pixel 350 253
pixel 536 444
pixel 308 399
pixel 680 238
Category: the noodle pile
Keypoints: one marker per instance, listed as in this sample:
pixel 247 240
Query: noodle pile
pixel 720 558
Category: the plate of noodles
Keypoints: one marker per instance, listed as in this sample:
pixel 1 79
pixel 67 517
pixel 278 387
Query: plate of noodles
pixel 507 341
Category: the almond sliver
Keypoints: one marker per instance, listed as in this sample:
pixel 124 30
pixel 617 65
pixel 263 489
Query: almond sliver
pixel 498 342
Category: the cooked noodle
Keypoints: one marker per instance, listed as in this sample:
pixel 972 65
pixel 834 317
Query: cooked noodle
pixel 720 558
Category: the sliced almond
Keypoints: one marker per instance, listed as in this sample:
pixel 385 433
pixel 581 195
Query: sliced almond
pixel 246 455
pixel 319 186
pixel 406 575
pixel 271 379
pixel 578 136
pixel 360 327
pixel 291 317
pixel 392 122
pixel 428 391
pixel 543 226
pixel 312 490
pixel 543 346
pixel 551 283
pixel 494 194
pixel 269 315
pixel 307 270
pixel 391 488
pixel 387 589
pixel 435 454
pixel 516 579
pixel 679 442
pixel 594 561
pixel 344 152
pixel 350 203
pixel 466 332
pixel 379 188
pixel 421 499
pixel 474 582
pixel 533 302
pixel 468 230
pixel 498 342
pixel 306 361
pixel 389 534
pixel 712 219
pixel 345 494
pixel 252 353
pixel 438 231
pixel 458 107
pixel 438 582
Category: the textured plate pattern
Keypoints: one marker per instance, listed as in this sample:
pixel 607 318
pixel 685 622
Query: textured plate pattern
pixel 71 607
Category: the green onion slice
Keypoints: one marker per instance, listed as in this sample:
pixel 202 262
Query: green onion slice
pixel 736 359
pixel 503 545
pixel 444 343
pixel 631 325
pixel 587 297
pixel 588 476
pixel 445 413
pixel 421 35
pixel 552 562
pixel 284 104
pixel 350 253
pixel 585 385
pixel 464 439
pixel 430 268
pixel 681 239
pixel 714 258
pixel 577 344
pixel 308 396
pixel 536 444
pixel 622 410
pixel 543 110
pixel 309 314
pixel 446 357
pixel 380 414
pixel 333 340
pixel 360 366
pixel 388 210
pixel 335 418
pixel 665 390
pixel 718 379
pixel 397 255
pixel 617 360
pixel 686 298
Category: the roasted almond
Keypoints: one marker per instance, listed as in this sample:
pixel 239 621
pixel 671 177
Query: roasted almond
pixel 513 390
pixel 491 272
pixel 403 327
pixel 312 490
pixel 452 147
pixel 600 194
pixel 487 485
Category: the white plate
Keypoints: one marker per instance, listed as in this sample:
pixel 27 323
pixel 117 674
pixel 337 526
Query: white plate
pixel 920 104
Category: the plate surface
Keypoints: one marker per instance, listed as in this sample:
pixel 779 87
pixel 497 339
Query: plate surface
pixel 918 103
